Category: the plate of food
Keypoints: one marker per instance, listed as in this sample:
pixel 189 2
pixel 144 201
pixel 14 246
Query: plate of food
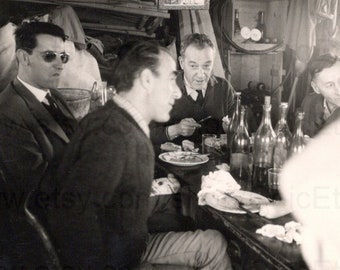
pixel 183 158
pixel 252 201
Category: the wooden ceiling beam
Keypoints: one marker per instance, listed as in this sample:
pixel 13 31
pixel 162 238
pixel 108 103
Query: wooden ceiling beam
pixel 133 8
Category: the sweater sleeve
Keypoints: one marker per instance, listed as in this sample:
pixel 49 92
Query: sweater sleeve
pixel 158 133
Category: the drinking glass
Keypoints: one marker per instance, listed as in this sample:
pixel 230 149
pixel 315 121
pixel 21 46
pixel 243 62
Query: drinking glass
pixel 208 143
pixel 273 183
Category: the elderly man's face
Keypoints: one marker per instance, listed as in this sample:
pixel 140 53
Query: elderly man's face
pixel 327 83
pixel 197 65
pixel 43 74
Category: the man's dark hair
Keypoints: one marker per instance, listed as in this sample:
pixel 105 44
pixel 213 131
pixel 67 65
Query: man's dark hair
pixel 199 41
pixel 321 62
pixel 134 57
pixel 26 34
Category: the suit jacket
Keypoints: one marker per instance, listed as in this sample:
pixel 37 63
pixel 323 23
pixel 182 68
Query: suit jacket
pixel 218 102
pixel 31 145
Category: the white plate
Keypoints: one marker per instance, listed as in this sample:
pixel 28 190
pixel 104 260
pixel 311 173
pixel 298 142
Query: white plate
pixel 182 158
pixel 253 201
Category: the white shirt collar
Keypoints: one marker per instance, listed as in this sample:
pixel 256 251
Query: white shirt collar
pixel 38 93
pixel 191 91
pixel 133 112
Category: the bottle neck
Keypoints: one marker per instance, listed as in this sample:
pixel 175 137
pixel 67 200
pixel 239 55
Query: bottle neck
pixel 236 16
pixel 261 19
pixel 266 118
pixel 298 129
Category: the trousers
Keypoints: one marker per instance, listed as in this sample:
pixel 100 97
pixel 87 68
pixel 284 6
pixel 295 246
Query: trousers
pixel 206 250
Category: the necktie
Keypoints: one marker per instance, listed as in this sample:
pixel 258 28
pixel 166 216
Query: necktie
pixel 53 108
pixel 58 115
pixel 199 99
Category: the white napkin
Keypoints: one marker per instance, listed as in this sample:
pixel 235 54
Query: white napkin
pixel 164 186
pixel 216 183
pixel 288 233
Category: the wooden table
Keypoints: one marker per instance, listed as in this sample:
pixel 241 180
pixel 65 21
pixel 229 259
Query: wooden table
pixel 246 248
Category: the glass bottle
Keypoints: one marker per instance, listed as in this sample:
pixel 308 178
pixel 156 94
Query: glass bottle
pixel 283 138
pixel 260 25
pixel 263 148
pixel 298 141
pixel 237 27
pixel 235 119
pixel 239 154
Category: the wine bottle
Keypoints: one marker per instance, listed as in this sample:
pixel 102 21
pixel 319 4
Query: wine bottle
pixel 239 154
pixel 237 27
pixel 234 119
pixel 298 141
pixel 263 149
pixel 283 138
pixel 260 25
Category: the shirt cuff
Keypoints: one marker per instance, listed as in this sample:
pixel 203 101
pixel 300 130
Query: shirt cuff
pixel 171 132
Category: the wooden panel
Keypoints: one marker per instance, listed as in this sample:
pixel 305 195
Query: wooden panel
pixel 259 68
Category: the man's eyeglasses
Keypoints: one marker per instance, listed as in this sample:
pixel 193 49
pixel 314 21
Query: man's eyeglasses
pixel 50 56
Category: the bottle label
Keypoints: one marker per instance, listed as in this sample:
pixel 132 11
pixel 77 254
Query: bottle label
pixel 239 160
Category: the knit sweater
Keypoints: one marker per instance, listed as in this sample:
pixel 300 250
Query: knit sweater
pixel 109 165
pixel 218 102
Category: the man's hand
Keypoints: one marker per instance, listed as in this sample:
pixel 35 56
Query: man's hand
pixel 187 127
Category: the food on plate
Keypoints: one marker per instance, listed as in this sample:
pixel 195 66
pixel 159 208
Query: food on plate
pixel 169 146
pixel 251 201
pixel 184 157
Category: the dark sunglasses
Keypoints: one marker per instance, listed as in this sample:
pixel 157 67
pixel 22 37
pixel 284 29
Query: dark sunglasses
pixel 50 56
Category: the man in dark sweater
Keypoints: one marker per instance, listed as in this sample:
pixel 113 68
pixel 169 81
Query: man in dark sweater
pixel 203 95
pixel 105 178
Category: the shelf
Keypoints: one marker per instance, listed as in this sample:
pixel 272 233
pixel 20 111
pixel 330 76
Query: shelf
pixel 259 47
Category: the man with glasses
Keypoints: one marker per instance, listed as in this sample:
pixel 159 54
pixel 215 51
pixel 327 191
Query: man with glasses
pixel 322 106
pixel 35 127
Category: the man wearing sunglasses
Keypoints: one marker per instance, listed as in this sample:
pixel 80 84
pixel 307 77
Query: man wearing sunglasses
pixel 35 127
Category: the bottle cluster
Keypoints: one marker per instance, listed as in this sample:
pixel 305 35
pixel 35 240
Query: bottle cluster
pixel 252 158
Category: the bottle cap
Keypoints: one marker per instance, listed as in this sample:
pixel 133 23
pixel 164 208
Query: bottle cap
pixel 267 100
pixel 284 104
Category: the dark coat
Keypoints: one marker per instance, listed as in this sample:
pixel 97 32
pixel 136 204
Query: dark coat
pixel 31 144
pixel 313 121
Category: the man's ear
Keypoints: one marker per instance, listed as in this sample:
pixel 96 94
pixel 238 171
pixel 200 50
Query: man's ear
pixel 22 57
pixel 181 61
pixel 315 87
pixel 147 79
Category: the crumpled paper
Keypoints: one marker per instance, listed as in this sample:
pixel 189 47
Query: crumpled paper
pixel 217 182
pixel 165 186
pixel 288 233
